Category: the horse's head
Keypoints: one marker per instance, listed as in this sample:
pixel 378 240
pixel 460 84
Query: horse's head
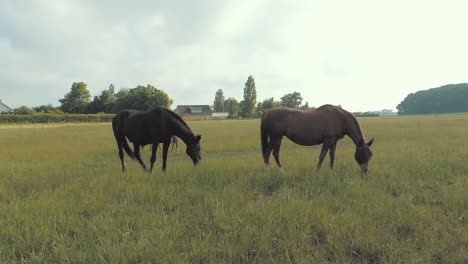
pixel 363 154
pixel 193 150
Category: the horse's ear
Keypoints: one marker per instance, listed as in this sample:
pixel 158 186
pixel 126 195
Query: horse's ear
pixel 361 142
pixel 370 142
pixel 198 137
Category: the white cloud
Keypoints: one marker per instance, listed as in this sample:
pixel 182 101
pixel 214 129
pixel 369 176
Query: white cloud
pixel 361 54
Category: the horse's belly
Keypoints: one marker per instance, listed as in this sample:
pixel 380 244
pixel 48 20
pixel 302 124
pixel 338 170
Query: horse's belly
pixel 139 139
pixel 304 141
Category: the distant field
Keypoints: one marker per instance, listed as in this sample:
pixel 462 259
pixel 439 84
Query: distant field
pixel 63 197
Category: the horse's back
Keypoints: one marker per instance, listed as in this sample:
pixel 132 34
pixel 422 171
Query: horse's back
pixel 290 117
pixel 305 127
pixel 122 118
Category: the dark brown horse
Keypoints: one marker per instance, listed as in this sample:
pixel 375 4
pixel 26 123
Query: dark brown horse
pixel 325 125
pixel 155 126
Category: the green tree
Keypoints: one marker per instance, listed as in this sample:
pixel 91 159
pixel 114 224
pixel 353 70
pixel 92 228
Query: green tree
pixel 231 105
pixel 266 104
pixel 247 108
pixel 306 106
pixel 450 98
pixel 77 100
pixel 23 110
pixel 242 109
pixel 103 102
pixel 48 109
pixel 292 100
pixel 141 98
pixel 218 104
pixel 111 89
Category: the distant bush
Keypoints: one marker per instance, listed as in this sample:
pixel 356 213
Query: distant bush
pixel 366 114
pixel 55 118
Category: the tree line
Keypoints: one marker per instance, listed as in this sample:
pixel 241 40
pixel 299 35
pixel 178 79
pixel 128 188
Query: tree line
pixel 450 98
pixel 79 101
pixel 249 107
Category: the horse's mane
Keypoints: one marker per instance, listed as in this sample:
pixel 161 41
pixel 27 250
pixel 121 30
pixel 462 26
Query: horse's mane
pixel 348 115
pixel 354 120
pixel 176 116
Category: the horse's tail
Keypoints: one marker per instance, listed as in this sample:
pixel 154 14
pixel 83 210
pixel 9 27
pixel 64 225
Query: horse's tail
pixel 264 135
pixel 120 136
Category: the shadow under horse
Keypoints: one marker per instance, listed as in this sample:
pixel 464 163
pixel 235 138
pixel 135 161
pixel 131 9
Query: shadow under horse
pixel 155 126
pixel 324 125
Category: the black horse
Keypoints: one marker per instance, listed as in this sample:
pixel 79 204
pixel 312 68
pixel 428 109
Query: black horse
pixel 155 126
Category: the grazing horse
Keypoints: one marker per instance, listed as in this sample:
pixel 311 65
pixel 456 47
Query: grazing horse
pixel 155 126
pixel 326 124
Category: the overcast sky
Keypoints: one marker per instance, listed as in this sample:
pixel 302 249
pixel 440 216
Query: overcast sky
pixel 362 54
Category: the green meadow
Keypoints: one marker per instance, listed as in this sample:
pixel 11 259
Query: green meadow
pixel 63 197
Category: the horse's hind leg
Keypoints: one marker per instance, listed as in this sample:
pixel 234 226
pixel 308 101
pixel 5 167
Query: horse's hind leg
pixel 266 156
pixel 276 149
pixel 136 148
pixel 121 154
pixel 323 153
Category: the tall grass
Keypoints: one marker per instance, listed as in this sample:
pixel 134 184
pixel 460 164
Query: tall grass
pixel 63 198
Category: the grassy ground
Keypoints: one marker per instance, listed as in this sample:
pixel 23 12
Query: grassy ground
pixel 63 198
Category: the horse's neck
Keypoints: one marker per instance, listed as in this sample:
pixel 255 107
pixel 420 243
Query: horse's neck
pixel 354 130
pixel 183 132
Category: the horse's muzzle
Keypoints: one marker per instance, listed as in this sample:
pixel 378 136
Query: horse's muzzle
pixel 364 168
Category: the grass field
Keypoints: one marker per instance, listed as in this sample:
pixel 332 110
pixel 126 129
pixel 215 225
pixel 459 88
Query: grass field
pixel 64 199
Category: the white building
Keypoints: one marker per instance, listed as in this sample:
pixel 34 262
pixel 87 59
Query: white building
pixel 4 107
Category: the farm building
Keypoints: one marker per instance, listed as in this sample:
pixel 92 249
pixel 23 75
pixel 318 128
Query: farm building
pixel 194 111
pixel 4 107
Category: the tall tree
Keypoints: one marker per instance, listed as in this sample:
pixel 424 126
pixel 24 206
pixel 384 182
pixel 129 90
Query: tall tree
pixel 111 89
pixel 141 98
pixel 218 103
pixel 103 102
pixel 292 100
pixel 306 106
pixel 250 98
pixel 231 105
pixel 77 100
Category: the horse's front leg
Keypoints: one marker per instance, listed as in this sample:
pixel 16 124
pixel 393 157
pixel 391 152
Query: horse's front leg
pixel 166 145
pixel 332 156
pixel 154 148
